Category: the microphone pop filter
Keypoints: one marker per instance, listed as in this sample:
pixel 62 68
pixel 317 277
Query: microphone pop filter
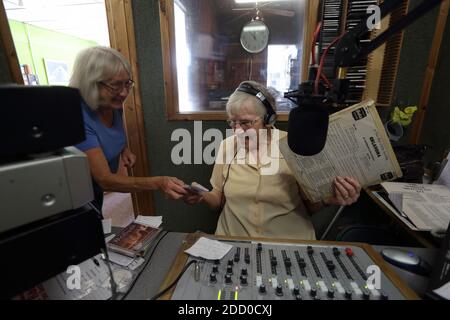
pixel 307 129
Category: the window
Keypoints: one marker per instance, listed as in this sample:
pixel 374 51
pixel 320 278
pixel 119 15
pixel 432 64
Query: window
pixel 204 60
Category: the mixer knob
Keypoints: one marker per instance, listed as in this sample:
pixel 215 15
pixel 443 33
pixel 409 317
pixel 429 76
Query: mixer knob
pixel 247 258
pixel 348 294
pixel 228 278
pixel 310 249
pixel 212 278
pixel 313 292
pixel 331 293
pixel 298 297
pixel 230 262
pixel 279 290
pixel 217 262
pixel 244 281
pixel 336 251
pixel 384 296
pixel 262 288
pixel 366 294
pixel 215 269
pixel 237 257
pixel 296 290
pixel 229 270
pixel 259 246
pixel 244 271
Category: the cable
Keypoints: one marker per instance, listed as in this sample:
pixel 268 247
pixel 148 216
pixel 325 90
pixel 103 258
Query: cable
pixel 145 265
pixel 111 277
pixel 156 296
pixel 222 194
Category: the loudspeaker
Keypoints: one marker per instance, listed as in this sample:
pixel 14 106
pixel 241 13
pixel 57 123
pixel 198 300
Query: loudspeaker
pixel 38 119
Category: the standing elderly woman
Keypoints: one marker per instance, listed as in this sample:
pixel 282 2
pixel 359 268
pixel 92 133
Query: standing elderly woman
pixel 103 76
pixel 254 203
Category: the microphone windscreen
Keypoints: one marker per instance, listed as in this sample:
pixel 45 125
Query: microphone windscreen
pixel 307 129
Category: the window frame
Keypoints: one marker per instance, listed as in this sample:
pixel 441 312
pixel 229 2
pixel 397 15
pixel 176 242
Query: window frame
pixel 167 24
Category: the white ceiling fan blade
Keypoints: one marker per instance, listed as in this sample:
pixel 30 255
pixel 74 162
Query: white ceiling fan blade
pixel 280 12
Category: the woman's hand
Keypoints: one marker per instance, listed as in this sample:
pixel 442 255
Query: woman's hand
pixel 346 191
pixel 172 187
pixel 193 197
pixel 128 158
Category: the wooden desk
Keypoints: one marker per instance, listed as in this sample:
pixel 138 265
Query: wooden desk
pixel 423 237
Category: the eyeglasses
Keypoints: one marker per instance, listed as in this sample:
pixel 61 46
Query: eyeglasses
pixel 242 123
pixel 117 87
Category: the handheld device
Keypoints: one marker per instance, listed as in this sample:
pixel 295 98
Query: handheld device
pixel 196 187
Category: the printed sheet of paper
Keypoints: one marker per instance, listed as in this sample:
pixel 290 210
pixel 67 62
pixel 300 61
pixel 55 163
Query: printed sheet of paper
pixel 209 249
pixel 426 205
pixel 152 221
pixel 357 146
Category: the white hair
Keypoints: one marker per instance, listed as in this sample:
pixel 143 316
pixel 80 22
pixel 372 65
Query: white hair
pixel 93 65
pixel 241 102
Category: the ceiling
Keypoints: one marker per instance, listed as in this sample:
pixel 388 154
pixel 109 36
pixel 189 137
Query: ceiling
pixel 84 19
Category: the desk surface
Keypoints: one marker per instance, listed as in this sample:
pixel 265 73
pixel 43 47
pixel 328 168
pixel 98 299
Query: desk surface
pixel 153 274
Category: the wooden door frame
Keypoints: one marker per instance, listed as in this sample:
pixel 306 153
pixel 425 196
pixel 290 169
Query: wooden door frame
pixel 122 38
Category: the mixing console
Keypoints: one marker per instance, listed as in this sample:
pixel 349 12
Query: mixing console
pixel 254 270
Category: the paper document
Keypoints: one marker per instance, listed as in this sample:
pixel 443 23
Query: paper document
pixel 444 291
pixel 151 221
pixel 357 146
pixel 403 217
pixel 209 249
pixel 94 283
pixel 426 205
pixel 444 175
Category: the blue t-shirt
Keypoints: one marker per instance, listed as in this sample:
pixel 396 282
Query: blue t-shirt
pixel 111 140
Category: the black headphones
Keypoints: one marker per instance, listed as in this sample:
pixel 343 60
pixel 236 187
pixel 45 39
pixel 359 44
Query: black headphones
pixel 271 116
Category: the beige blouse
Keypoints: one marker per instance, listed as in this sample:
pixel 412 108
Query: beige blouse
pixel 259 204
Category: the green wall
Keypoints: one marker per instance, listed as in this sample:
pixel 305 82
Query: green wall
pixel 34 44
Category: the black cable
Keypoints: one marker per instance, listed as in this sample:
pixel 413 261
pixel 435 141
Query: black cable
pixel 111 277
pixel 156 296
pixel 165 233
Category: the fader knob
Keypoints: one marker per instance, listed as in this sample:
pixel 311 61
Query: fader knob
pixel 313 292
pixel 215 269
pixel 229 270
pixel 330 293
pixel 212 278
pixel 244 271
pixel 227 278
pixel 279 290
pixel 244 281
pixel 230 262
pixel 296 290
pixel 262 288
pixel 348 294
pixel 384 296
pixel 366 294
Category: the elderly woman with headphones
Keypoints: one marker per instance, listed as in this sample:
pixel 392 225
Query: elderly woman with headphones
pixel 103 77
pixel 254 202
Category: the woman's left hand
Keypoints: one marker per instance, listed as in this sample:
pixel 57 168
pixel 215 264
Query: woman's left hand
pixel 346 191
pixel 128 158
